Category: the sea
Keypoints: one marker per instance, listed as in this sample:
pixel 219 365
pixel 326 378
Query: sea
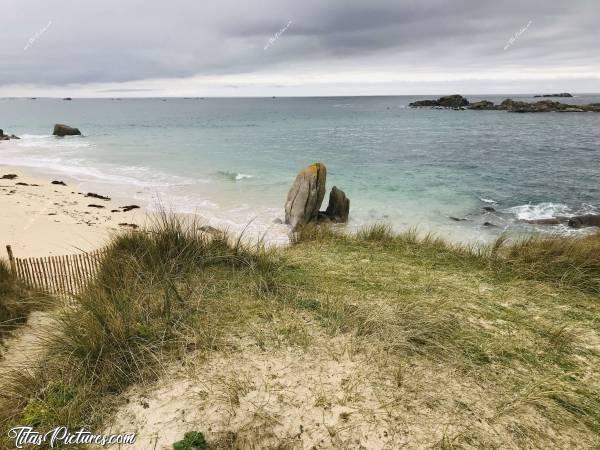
pixel 231 161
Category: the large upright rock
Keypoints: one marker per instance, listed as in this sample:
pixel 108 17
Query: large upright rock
pixel 65 130
pixel 339 206
pixel 306 195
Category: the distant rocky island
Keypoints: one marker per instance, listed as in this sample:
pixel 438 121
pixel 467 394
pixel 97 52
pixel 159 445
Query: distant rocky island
pixel 458 102
pixel 562 94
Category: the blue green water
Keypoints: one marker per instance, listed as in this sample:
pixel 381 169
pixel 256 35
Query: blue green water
pixel 233 160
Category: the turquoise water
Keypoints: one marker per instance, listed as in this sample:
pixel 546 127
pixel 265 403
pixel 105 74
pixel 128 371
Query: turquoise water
pixel 233 160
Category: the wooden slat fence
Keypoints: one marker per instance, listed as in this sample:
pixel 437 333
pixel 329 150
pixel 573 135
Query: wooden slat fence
pixel 62 276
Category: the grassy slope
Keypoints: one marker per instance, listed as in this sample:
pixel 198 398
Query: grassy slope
pixel 512 333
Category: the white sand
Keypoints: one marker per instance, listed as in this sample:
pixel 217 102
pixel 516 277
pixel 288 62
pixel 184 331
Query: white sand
pixel 52 219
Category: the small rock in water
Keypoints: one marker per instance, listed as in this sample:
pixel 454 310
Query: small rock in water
pixel 457 219
pixel 489 209
pixel 489 224
pixel 65 130
pixel 278 221
pixel 586 220
pixel 339 206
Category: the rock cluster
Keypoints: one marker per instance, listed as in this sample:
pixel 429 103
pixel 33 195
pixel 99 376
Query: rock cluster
pixel 306 195
pixel 6 137
pixel 450 101
pixel 459 102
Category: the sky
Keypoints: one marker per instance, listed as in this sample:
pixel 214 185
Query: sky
pixel 137 48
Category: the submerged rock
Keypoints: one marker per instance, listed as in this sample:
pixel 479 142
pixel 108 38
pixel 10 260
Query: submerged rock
pixel 549 221
pixel 339 206
pixel 586 220
pixel 306 195
pixel 65 130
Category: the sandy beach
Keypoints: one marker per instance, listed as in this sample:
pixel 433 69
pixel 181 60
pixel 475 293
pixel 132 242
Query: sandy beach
pixel 42 219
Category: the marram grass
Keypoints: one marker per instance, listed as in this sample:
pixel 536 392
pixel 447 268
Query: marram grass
pixel 518 319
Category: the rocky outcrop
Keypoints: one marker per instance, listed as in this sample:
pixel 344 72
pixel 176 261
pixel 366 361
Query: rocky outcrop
pixel 483 104
pixel 450 101
pixel 6 137
pixel 458 102
pixel 65 130
pixel 338 208
pixel 586 220
pixel 306 195
pixel 562 94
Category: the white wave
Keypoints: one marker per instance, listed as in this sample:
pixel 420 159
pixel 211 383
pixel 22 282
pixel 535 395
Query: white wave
pixel 45 141
pixel 235 176
pixel 35 136
pixel 488 200
pixel 545 210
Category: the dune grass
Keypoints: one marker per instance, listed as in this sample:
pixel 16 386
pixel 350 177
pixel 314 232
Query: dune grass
pixel 16 301
pixel 516 320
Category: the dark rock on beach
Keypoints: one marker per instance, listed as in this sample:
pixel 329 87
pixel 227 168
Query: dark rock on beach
pixel 93 205
pixel 9 176
pixel 65 130
pixel 133 226
pixel 586 220
pixel 61 183
pixel 129 207
pixel 98 196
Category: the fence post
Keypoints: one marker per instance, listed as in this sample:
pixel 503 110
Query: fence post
pixel 11 260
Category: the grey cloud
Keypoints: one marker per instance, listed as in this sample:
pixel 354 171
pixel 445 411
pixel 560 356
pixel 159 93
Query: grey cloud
pixel 119 40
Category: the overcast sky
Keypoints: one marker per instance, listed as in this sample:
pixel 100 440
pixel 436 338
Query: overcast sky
pixel 119 48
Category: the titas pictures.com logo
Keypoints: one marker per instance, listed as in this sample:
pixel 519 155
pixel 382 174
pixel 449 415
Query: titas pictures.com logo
pixel 60 436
